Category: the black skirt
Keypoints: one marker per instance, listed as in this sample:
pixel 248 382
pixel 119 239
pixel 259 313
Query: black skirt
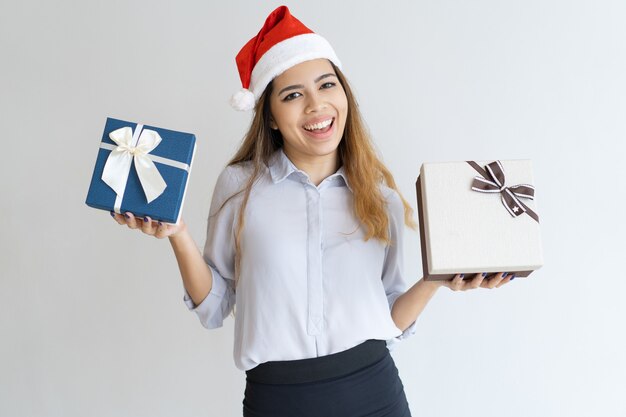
pixel 362 381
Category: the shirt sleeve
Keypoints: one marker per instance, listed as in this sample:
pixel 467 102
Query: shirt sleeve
pixel 219 254
pixel 393 268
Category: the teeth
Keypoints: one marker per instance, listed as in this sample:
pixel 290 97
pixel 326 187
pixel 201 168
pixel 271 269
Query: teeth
pixel 318 126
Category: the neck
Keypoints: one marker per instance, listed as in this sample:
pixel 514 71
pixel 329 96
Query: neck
pixel 318 167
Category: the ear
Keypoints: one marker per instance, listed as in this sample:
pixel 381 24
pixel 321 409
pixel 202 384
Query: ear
pixel 273 124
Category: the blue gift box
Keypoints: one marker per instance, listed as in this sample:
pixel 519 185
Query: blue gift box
pixel 160 174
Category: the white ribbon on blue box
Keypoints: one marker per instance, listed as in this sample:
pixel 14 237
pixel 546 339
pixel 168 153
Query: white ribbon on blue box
pixel 143 170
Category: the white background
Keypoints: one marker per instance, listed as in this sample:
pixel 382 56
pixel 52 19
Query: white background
pixel 92 321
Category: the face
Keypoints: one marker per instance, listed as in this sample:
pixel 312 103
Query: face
pixel 309 107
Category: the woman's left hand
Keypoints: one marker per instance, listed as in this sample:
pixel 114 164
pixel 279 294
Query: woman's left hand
pixel 478 281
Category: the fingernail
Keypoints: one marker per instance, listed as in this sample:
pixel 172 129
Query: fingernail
pixel 505 274
pixel 462 275
pixel 484 274
pixel 145 219
pixel 112 213
pixel 512 278
pixel 126 215
pixel 160 224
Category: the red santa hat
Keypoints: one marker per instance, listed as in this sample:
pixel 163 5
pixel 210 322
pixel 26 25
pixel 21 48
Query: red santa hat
pixel 282 42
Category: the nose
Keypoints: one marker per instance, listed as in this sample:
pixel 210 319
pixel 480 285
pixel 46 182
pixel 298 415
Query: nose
pixel 315 102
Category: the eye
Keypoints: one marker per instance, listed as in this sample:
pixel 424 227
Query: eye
pixel 328 85
pixel 291 96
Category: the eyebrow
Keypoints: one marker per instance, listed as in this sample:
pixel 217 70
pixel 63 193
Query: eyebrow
pixel 295 87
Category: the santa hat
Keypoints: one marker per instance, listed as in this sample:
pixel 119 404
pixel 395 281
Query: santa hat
pixel 282 42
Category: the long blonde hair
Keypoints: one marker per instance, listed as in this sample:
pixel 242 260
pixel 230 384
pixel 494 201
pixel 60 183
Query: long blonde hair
pixel 364 171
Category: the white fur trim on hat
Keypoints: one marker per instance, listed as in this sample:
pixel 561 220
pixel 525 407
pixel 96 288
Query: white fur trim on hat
pixel 287 54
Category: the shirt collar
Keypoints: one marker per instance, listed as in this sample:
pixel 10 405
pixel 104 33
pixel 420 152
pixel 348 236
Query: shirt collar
pixel 280 167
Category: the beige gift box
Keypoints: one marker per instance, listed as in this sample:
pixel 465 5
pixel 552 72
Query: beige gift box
pixel 478 216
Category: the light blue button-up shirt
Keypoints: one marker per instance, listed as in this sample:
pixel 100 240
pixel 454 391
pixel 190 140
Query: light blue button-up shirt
pixel 309 284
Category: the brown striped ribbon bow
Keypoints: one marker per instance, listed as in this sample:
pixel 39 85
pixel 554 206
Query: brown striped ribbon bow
pixel 493 181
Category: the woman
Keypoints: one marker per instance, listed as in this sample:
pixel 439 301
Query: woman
pixel 305 237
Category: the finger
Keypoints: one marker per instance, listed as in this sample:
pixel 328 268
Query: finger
pixel 506 280
pixel 475 282
pixel 131 221
pixel 170 229
pixel 162 230
pixel 456 284
pixel 485 283
pixel 148 226
pixel 120 219
pixel 497 279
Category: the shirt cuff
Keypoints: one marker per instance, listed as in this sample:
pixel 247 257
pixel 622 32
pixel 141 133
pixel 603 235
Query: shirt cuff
pixel 408 332
pixel 218 289
pixel 210 310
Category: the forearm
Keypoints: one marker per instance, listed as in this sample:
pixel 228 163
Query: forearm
pixel 194 271
pixel 410 305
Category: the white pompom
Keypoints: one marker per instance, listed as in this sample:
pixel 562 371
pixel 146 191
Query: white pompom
pixel 242 100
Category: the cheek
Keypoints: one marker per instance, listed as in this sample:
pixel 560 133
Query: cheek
pixel 343 109
pixel 286 118
pixel 342 102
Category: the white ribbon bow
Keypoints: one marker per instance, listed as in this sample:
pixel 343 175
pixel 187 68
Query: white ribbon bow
pixel 117 166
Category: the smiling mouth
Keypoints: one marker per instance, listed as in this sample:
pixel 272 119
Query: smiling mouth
pixel 320 127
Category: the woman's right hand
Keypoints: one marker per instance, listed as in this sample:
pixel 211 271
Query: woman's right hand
pixel 148 226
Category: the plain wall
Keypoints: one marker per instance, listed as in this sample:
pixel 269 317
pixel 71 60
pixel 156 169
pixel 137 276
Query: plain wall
pixel 92 321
